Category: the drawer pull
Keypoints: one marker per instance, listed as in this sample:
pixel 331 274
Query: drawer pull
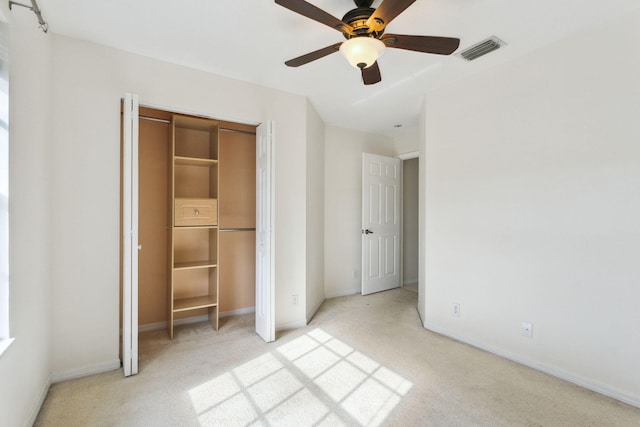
pixel 196 211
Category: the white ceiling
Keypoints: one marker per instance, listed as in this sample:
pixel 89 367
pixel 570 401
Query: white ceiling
pixel 250 40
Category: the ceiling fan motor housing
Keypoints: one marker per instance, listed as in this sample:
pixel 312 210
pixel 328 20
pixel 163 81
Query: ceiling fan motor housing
pixel 357 18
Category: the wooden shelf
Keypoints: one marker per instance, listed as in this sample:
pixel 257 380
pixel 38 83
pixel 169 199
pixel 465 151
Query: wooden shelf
pixel 195 264
pixel 195 123
pixel 194 161
pixel 195 303
pixel 194 170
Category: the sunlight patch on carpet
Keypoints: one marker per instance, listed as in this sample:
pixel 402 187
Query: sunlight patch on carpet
pixel 315 379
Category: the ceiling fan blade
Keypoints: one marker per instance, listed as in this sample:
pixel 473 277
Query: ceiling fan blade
pixel 312 56
pixel 315 13
pixel 427 44
pixel 386 12
pixel 371 75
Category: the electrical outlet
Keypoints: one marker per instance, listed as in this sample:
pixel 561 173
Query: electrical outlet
pixel 455 309
pixel 294 299
pixel 527 329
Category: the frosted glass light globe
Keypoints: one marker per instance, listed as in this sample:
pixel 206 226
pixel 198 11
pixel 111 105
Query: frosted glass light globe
pixel 362 52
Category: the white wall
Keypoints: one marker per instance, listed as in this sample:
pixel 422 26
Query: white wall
pixel 406 140
pixel 289 112
pixel 410 221
pixel 315 212
pixel 532 208
pixel 343 205
pixel 24 367
pixel 88 81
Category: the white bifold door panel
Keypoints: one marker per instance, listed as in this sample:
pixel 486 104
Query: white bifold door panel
pixel 130 235
pixel 380 223
pixel 265 270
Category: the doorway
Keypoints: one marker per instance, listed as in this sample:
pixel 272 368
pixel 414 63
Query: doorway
pixel 390 222
pixel 410 224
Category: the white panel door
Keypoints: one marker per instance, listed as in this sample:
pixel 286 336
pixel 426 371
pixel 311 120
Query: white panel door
pixel 265 271
pixel 130 199
pixel 380 223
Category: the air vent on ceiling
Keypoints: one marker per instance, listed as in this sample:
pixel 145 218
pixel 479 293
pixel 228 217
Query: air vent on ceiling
pixel 481 49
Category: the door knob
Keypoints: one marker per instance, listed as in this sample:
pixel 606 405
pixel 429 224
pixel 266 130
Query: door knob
pixel 367 231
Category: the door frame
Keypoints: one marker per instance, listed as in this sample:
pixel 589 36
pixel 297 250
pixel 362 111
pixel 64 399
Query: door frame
pixel 421 291
pixel 129 211
pixel 406 156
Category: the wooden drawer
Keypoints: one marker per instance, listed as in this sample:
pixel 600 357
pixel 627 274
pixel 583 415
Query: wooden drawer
pixel 196 212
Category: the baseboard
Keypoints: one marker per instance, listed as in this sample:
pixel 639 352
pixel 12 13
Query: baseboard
pixel 195 319
pixel 150 327
pixel 237 312
pixel 204 318
pixel 343 293
pixel 163 325
pixel 420 317
pixel 314 311
pixel 553 371
pixel 108 365
pixel 37 404
pixel 292 325
pixel 410 282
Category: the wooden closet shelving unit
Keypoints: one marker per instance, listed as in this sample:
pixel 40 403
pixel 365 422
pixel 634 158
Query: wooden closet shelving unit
pixel 193 246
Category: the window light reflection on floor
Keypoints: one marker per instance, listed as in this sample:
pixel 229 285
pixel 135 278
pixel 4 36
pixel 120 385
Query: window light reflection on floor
pixel 315 379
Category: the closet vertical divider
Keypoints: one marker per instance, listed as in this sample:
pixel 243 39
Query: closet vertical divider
pixel 193 243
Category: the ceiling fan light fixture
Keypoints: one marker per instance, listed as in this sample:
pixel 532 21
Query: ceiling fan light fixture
pixel 362 52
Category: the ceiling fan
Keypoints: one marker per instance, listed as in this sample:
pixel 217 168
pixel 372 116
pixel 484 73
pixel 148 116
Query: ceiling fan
pixel 363 27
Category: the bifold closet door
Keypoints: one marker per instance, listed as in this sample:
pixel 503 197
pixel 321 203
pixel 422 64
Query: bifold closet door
pixel 130 234
pixel 265 244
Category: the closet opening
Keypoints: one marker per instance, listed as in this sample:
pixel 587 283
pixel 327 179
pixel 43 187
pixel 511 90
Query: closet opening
pixel 196 221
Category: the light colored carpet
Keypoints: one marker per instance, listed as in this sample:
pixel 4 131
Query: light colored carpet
pixel 360 361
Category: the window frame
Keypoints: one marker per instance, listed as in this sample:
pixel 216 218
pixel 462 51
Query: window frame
pixel 5 337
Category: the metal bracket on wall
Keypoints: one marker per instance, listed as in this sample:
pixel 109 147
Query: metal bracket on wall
pixel 35 9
